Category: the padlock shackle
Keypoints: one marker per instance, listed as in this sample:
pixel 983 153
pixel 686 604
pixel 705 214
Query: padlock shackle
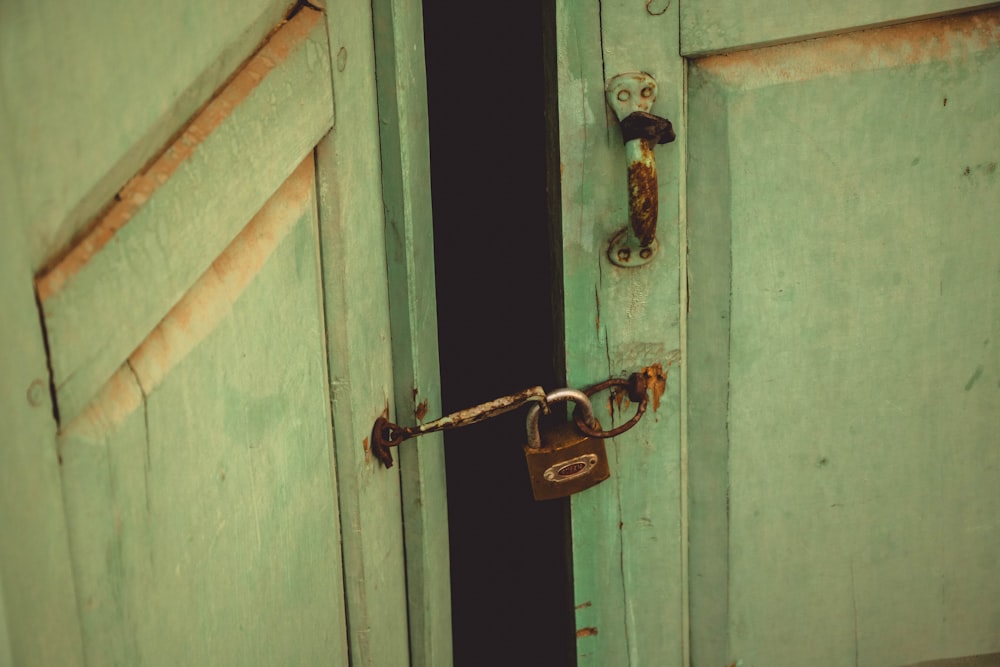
pixel 583 406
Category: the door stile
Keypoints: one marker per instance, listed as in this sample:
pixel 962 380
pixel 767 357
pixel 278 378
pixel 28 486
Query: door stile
pixel 627 533
pixel 707 383
pixel 406 194
pixel 37 591
pixel 352 235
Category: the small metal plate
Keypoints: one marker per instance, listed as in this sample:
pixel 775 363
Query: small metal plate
pixel 624 254
pixel 631 92
pixel 564 471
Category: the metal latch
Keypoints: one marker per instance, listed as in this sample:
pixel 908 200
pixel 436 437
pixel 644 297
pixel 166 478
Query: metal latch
pixel 386 434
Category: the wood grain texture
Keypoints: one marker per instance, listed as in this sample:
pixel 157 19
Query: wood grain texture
pixel 169 223
pixel 204 523
pixel 857 474
pixel 67 65
pixel 406 194
pixel 352 225
pixel 627 538
pixel 37 594
pixel 709 26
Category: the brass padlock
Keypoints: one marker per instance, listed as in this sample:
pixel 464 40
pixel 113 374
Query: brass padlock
pixel 562 460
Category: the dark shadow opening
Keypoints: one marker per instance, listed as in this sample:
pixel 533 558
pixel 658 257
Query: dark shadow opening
pixel 510 586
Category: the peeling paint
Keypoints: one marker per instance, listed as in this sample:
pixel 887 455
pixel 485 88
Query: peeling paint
pixel 421 410
pixel 656 383
pixel 586 632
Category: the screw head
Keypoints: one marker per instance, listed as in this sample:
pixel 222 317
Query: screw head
pixel 646 253
pixel 624 254
pixel 647 91
pixel 623 95
pixel 36 393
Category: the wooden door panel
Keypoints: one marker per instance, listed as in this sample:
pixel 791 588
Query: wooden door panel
pixel 100 89
pixel 169 222
pixel 200 487
pixel 627 532
pixel 844 412
pixel 709 26
pixel 186 355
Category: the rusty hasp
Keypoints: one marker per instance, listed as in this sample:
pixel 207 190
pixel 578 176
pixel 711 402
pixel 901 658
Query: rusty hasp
pixel 386 434
pixel 635 386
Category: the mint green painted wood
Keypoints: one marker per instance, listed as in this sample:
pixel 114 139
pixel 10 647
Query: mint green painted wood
pixel 844 387
pixel 352 227
pixel 180 215
pixel 627 534
pixel 707 388
pixel 170 388
pixel 66 64
pixel 37 598
pixel 718 25
pixel 200 488
pixel 406 194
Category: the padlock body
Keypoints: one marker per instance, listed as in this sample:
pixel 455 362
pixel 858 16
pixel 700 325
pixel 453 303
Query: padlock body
pixel 567 462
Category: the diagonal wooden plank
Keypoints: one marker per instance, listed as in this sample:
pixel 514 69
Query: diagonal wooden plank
pixel 712 26
pixel 169 223
pixel 406 188
pixel 98 89
pixel 202 514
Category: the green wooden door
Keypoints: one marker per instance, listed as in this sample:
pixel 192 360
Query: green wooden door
pixel 209 268
pixel 821 483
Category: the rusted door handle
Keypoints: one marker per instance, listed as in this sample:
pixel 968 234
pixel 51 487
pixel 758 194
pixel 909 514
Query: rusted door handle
pixel 632 95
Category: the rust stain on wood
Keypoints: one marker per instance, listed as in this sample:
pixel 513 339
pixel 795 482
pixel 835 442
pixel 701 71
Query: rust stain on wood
pixel 421 410
pixel 586 632
pixel 584 605
pixel 950 38
pixel 656 383
pixel 142 187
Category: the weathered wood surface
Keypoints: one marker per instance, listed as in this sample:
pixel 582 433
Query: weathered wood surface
pixel 844 368
pixel 256 332
pixel 406 194
pixel 718 25
pixel 200 485
pixel 168 224
pixel 99 88
pixel 352 225
pixel 626 532
pixel 37 598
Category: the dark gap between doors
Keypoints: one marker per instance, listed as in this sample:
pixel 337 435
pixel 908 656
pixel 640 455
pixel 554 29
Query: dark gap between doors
pixel 510 584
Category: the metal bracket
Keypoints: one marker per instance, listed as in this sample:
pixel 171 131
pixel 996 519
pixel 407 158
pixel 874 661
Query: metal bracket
pixel 631 96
